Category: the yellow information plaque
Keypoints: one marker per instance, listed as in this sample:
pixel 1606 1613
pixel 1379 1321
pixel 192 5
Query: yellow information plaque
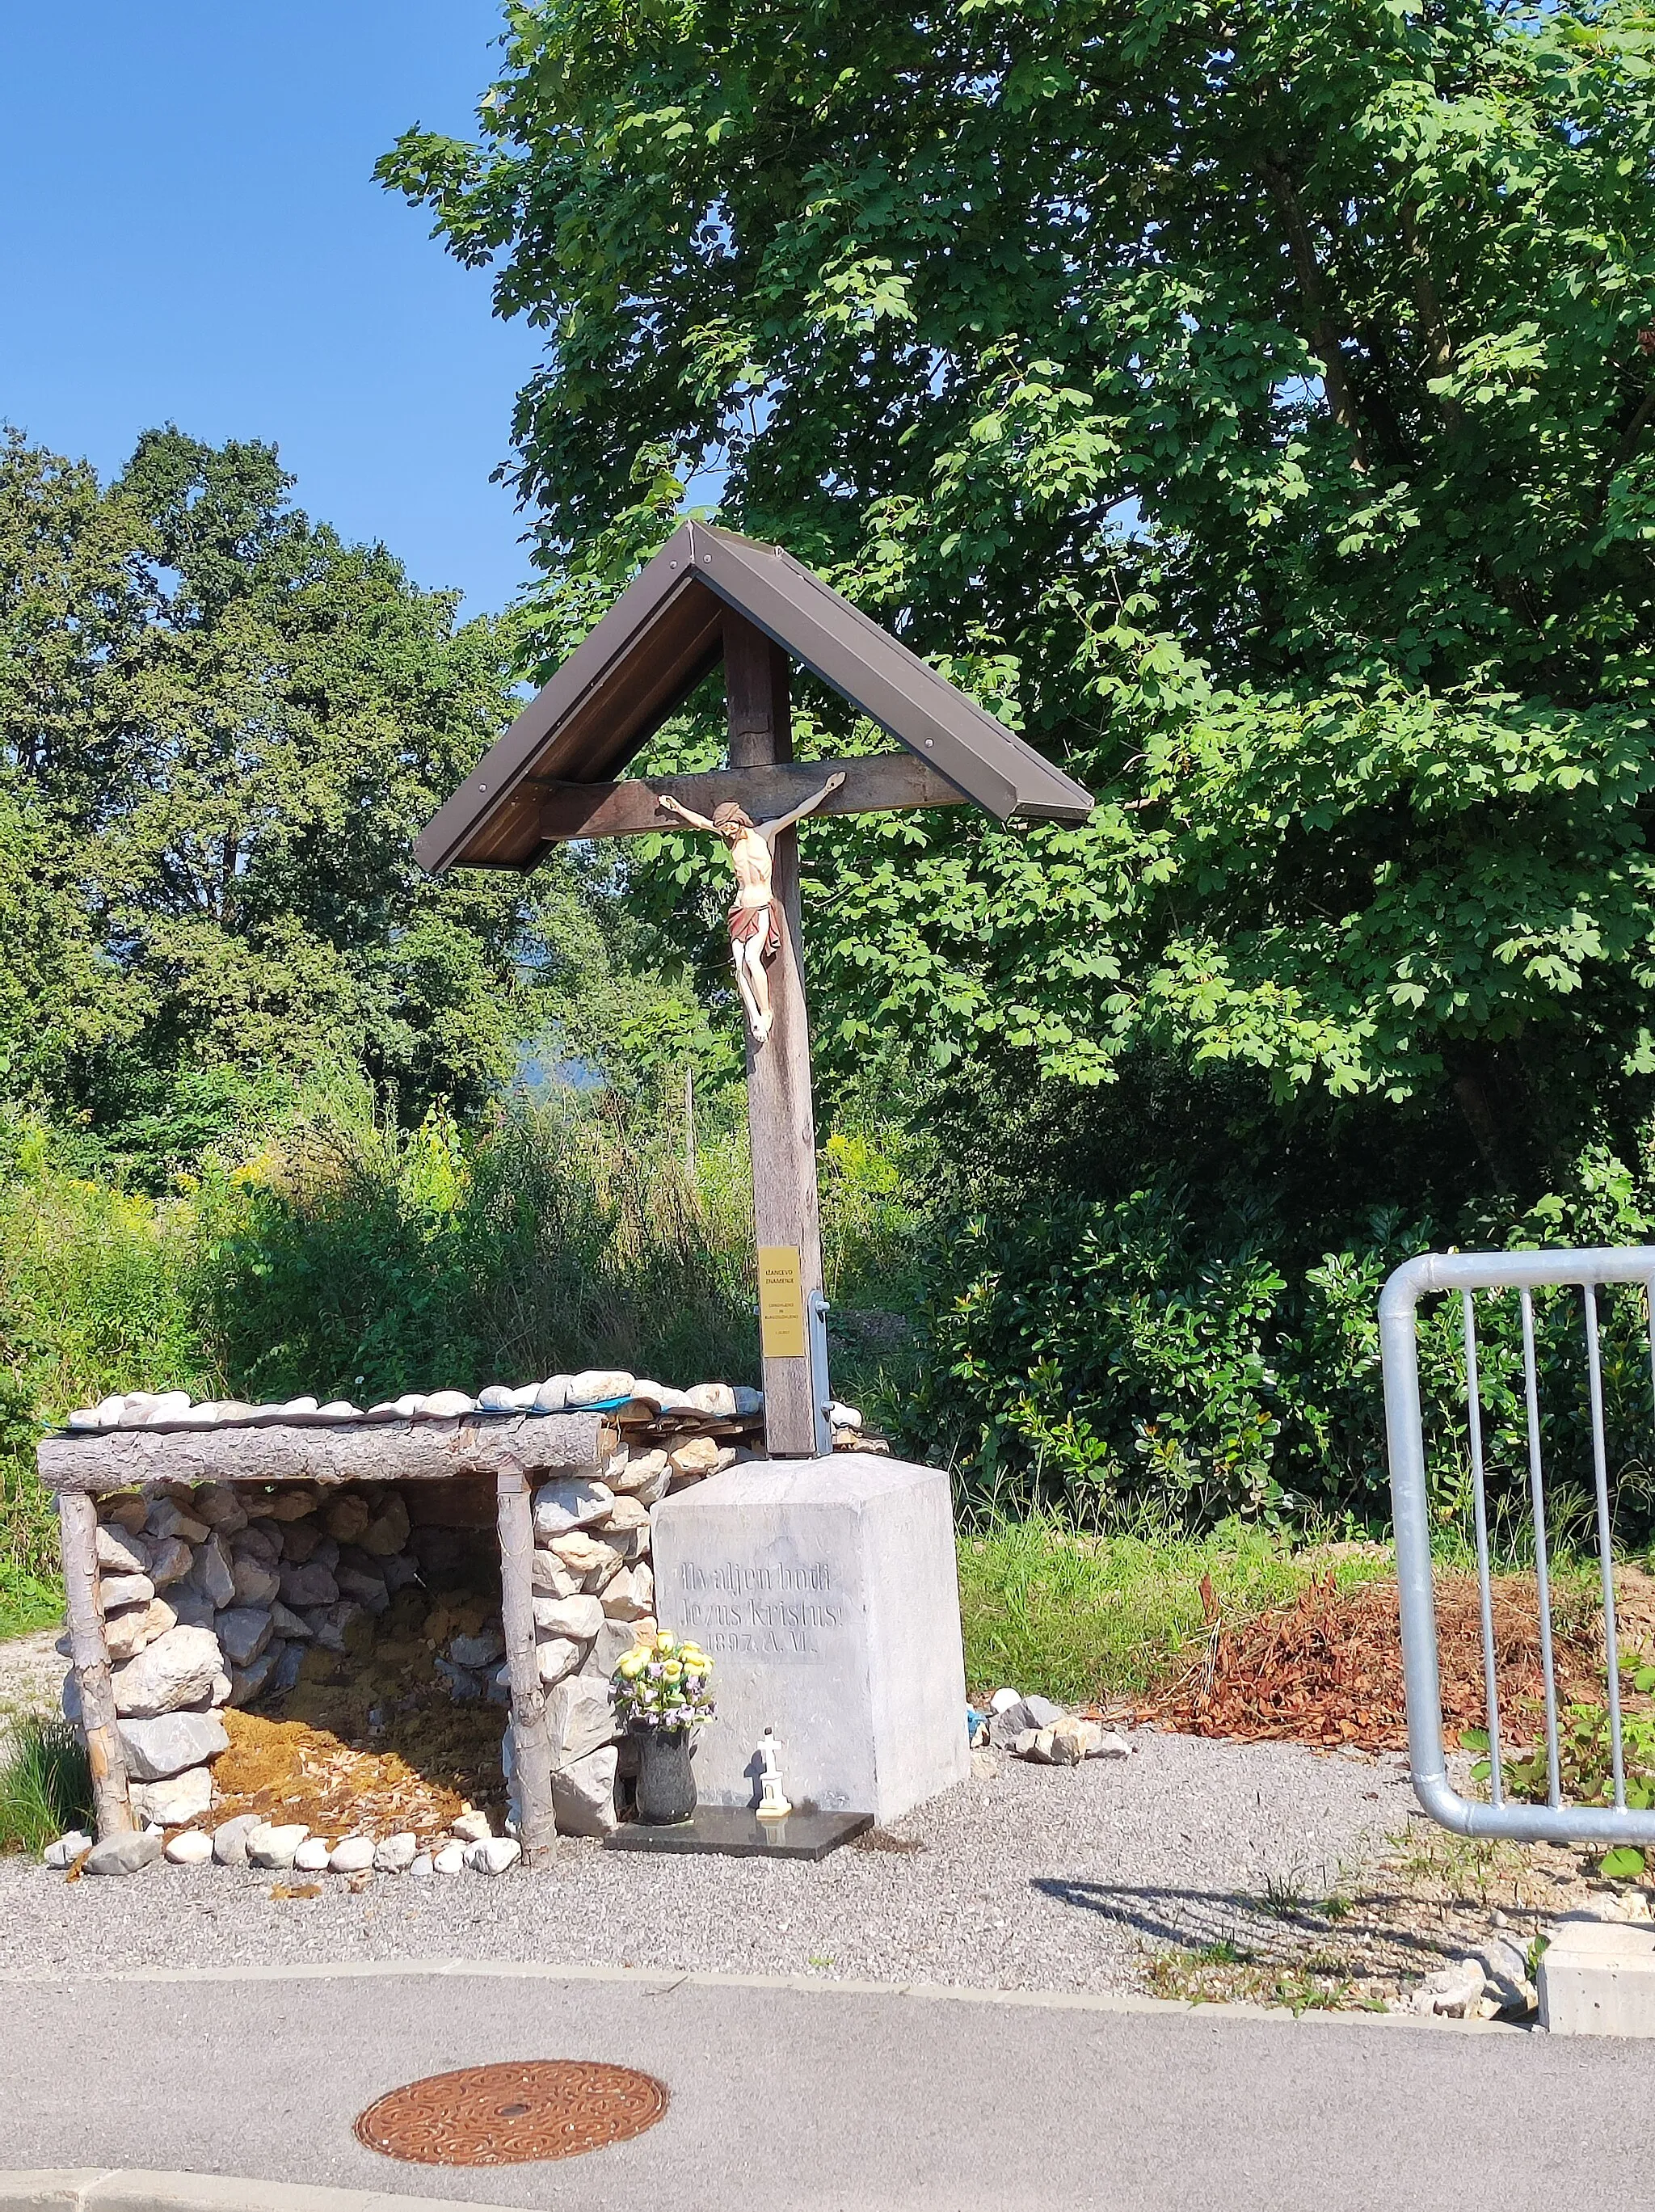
pixel 781 1302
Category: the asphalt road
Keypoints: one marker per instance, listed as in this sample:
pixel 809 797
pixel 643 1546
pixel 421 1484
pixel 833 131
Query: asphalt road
pixel 829 2096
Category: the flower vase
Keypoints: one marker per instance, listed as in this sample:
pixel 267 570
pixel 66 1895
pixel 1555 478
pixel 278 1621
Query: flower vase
pixel 666 1785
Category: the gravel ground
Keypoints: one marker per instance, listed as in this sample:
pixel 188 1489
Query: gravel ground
pixel 31 1674
pixel 1041 1878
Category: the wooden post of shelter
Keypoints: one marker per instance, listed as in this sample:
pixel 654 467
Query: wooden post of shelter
pixel 532 1743
pixel 710 595
pixel 77 1523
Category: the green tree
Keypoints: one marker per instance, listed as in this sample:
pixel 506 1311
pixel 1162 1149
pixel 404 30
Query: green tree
pixel 221 729
pixel 1250 404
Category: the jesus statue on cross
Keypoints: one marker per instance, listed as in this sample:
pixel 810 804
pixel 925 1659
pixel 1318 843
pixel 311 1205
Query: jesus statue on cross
pixel 754 922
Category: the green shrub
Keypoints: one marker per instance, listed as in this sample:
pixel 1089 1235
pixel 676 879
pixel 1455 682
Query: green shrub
pixel 1103 1355
pixel 45 1785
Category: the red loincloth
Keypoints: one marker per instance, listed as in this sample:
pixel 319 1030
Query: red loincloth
pixel 747 922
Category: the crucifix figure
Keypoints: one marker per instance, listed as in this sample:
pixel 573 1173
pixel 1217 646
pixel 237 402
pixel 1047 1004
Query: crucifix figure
pixel 755 919
pixel 707 596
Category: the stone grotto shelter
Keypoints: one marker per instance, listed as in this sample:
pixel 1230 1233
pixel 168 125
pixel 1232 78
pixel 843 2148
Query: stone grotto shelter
pixel 489 1558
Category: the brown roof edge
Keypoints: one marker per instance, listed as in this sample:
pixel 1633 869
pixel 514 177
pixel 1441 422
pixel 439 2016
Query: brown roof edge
pixel 655 644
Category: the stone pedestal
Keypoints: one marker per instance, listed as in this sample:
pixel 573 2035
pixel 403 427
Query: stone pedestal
pixel 825 1591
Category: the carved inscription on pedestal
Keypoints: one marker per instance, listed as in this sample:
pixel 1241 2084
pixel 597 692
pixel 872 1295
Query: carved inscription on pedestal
pixel 770 1611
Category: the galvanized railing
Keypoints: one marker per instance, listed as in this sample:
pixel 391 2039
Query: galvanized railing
pixel 1525 1272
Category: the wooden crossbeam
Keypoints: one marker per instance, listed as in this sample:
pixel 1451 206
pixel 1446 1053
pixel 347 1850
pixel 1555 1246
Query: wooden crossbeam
pixel 879 783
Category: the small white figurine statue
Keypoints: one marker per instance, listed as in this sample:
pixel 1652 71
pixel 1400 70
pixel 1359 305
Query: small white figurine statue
pixel 773 1805
pixel 754 920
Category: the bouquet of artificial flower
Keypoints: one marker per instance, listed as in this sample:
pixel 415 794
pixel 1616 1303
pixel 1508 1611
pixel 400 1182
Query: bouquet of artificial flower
pixel 662 1683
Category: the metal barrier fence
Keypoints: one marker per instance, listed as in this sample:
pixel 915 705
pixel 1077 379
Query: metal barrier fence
pixel 1525 1272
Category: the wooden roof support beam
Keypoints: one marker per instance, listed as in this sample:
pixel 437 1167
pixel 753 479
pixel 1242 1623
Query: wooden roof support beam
pixel 881 783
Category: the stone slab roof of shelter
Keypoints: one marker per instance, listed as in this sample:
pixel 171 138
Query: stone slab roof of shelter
pixel 661 636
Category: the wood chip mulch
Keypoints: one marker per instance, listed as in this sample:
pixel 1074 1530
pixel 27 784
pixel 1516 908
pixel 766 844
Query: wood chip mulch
pixel 1327 1670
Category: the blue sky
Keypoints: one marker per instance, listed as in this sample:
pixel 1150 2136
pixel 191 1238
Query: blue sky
pixel 190 230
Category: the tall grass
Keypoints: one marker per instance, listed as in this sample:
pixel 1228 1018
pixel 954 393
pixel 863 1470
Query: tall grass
pixel 1077 1617
pixel 46 1784
pixel 353 1258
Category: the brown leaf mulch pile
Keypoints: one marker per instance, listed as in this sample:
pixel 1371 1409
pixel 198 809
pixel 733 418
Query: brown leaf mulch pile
pixel 364 1746
pixel 1327 1670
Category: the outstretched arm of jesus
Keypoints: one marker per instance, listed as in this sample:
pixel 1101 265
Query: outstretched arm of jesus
pixel 770 830
pixel 668 805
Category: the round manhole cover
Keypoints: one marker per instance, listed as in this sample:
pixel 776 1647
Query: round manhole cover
pixel 508 2115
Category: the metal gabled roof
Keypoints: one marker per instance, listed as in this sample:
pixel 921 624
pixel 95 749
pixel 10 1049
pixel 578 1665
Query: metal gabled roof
pixel 663 635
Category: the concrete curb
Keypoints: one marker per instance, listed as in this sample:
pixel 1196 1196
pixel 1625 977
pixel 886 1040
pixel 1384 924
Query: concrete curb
pixel 662 1981
pixel 132 2189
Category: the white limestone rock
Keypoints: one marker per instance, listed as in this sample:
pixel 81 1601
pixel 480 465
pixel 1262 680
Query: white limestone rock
pixel 497 1398
pixel 583 1794
pixel 496 1855
pixel 165 1409
pixel 293 1502
pixel 593 1558
pixel 179 1798
pixel 555 1659
pixel 177 1670
pixel 125 1634
pixel 579 1618
pixel 127 1853
pixel 396 1854
pixel 311 1857
pixel 230 1838
pixel 471 1826
pixel 450 1859
pixel 549 1577
pixel 446 1405
pixel 273 1846
pixel 553 1396
pixel 631 1596
pixel 193 1848
pixel 422 1863
pixel 66 1850
pixel 120 1590
pixel 354 1855
pixel 595 1386
pixel 575 1502
pixel 578 1717
pixel 717 1399
pixel 157 1749
pixel 120 1552
pixel 615 1639
pixel 640 1470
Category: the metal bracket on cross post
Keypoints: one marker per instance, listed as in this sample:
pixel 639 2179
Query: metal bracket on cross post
pixel 821 1392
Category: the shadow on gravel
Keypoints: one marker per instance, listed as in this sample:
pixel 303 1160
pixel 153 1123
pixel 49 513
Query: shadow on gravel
pixel 1199 1919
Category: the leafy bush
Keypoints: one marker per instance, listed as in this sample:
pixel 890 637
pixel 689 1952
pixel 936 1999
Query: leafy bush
pixel 1102 1355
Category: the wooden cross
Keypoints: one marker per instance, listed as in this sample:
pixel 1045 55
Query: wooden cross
pixel 706 596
